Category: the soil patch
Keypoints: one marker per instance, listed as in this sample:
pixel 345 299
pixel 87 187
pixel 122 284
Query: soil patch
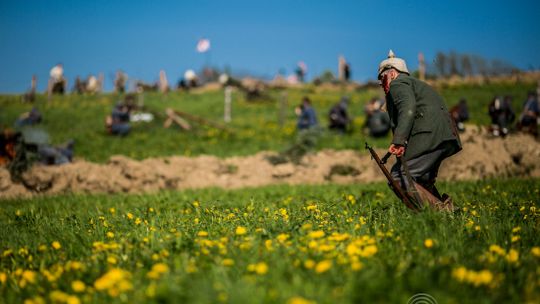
pixel 482 157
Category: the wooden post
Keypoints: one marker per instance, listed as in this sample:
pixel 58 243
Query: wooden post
pixel 227 110
pixel 282 109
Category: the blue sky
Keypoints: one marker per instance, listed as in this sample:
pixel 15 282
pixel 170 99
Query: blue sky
pixel 261 37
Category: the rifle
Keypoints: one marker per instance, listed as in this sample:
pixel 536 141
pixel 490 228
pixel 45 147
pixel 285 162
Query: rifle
pixel 415 196
pixel 391 182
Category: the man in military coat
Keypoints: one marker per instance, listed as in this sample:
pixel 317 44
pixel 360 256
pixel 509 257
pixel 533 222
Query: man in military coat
pixel 423 131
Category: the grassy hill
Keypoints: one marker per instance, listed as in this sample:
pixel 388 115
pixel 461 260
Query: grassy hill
pixel 255 125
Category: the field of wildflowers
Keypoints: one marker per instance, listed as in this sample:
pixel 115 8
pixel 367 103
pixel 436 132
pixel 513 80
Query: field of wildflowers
pixel 279 244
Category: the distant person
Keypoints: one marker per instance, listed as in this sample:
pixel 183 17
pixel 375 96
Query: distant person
pixel 30 118
pixel 460 114
pixel 502 115
pixel 301 70
pixel 92 84
pixel 307 118
pixel 378 121
pixel 338 117
pixel 120 82
pixel 191 79
pixel 528 120
pixel 118 122
pixel 57 82
pixel 8 142
pixel 15 145
pixel 347 72
pixel 80 86
pixel 344 69
pixel 369 108
pixel 56 155
pixel 182 85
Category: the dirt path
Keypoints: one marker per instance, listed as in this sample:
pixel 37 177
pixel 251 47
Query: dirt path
pixel 482 157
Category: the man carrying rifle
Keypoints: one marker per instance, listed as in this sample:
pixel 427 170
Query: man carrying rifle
pixel 423 131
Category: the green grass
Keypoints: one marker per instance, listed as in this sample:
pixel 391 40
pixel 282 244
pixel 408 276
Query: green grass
pixel 254 127
pixel 373 248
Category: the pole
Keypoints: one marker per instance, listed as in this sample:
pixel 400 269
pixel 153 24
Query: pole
pixel 227 110
pixel 282 109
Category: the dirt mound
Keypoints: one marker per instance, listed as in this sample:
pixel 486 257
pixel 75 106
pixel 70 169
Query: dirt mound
pixel 482 157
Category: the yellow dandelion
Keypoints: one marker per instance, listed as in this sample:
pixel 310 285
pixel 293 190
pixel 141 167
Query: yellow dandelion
pixel 299 300
pixel 356 265
pixel 428 243
pixel 268 245
pixel 323 266
pixel 240 230
pixel 110 234
pixel 56 245
pixel 202 234
pixel 160 268
pixel 78 286
pixel 228 262
pixel 111 260
pixel 512 256
pixel 460 273
pixel 282 237
pixel 536 251
pixel 316 234
pixel 129 215
pixel 497 249
pixel 309 264
pixel 261 268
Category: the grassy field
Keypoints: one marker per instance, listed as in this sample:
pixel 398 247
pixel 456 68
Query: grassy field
pixel 279 244
pixel 254 127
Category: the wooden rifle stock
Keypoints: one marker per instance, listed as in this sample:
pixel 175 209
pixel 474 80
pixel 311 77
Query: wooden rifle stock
pixel 393 184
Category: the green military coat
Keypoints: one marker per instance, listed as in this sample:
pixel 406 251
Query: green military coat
pixel 419 118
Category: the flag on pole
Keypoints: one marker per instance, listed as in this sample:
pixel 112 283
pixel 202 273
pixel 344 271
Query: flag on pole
pixel 203 45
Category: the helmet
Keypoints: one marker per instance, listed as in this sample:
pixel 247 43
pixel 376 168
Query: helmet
pixel 392 62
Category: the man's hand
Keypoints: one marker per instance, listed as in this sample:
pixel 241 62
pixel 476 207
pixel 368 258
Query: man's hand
pixel 397 150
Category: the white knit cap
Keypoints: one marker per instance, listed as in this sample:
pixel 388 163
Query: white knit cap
pixel 392 62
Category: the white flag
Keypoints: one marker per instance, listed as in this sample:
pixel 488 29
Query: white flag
pixel 203 45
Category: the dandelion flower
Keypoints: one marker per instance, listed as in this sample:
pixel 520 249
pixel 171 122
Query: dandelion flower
pixel 536 251
pixel 78 286
pixel 512 256
pixel 316 234
pixel 56 245
pixel 428 243
pixel 228 262
pixel 240 230
pixel 299 300
pixel 323 266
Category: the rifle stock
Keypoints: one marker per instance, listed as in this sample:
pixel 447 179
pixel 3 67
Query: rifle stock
pixel 393 184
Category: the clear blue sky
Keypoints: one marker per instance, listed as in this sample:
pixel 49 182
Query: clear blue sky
pixel 262 37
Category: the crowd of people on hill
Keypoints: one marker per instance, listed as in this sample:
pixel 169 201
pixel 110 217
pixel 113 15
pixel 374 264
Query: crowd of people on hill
pixel 503 116
pixel 376 124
